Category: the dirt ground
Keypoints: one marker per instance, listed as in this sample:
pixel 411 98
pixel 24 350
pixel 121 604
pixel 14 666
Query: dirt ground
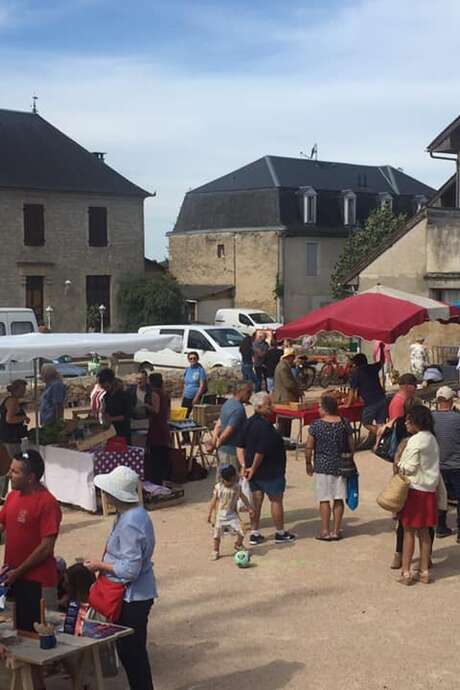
pixel 305 615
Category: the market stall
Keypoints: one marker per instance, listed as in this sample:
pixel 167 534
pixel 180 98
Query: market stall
pixel 76 451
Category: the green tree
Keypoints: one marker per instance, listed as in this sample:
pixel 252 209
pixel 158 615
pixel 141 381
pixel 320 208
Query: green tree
pixel 147 301
pixel 379 225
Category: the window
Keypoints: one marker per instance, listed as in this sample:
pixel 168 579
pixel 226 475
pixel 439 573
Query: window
pixel 225 337
pixel 261 317
pixel 386 202
pixel 2 328
pixel 220 251
pixel 34 225
pixel 245 320
pixel 191 306
pixel 349 208
pixel 21 327
pixel 309 206
pixel 172 331
pixel 97 224
pixel 448 296
pixel 419 202
pixel 312 258
pixel 197 341
pixel 97 293
pixel 34 297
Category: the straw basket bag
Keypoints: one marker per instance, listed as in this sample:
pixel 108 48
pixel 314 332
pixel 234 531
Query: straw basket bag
pixel 394 496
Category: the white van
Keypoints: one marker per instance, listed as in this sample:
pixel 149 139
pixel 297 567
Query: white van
pixel 216 346
pixel 16 321
pixel 247 321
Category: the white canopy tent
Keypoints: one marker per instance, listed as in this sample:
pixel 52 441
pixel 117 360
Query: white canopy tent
pixel 31 346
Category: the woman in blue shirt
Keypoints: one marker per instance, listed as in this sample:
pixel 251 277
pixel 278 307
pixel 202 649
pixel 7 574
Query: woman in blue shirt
pixel 128 559
pixel 195 382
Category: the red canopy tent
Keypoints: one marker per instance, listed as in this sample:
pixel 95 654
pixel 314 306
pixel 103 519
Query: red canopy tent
pixel 380 313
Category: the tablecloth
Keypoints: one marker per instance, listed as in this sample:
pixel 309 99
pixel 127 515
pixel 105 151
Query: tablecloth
pixel 352 413
pixel 105 461
pixel 69 474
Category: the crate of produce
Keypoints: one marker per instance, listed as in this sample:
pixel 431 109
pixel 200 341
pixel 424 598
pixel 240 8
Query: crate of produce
pixel 206 415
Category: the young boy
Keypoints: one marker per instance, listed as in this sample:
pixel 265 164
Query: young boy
pixel 223 507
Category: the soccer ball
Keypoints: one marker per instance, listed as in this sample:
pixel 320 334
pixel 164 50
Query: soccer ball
pixel 242 559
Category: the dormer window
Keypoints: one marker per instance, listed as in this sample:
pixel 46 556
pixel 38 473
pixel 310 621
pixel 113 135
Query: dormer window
pixel 349 208
pixel 309 205
pixel 419 202
pixel 386 202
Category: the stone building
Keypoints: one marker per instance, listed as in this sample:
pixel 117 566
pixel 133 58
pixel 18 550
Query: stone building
pixel 269 234
pixel 424 256
pixel 70 226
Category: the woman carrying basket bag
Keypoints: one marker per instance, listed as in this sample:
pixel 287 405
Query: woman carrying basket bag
pixel 419 463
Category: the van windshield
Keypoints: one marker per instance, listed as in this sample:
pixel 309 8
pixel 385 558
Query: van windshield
pixel 260 317
pixel 225 337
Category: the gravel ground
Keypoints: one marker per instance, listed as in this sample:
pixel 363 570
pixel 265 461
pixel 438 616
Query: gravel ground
pixel 304 615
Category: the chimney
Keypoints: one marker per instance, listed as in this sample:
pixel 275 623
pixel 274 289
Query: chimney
pixel 100 155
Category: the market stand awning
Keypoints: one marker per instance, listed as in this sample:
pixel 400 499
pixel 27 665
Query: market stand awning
pixel 380 313
pixel 24 348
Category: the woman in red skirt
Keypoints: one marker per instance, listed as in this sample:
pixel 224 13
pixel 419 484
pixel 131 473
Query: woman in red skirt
pixel 420 463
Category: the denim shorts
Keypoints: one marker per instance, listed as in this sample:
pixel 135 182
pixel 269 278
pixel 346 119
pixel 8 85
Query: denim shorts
pixel 272 487
pixel 376 412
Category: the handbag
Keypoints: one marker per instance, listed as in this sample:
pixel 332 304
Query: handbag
pixel 353 491
pixel 347 465
pixel 106 597
pixel 387 444
pixel 394 495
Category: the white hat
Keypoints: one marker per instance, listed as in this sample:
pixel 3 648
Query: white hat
pixel 445 392
pixel 121 483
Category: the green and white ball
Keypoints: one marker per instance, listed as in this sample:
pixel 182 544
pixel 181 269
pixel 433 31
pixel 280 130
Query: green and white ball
pixel 242 559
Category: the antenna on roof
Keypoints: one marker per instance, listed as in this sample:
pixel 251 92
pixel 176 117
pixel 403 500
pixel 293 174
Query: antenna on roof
pixel 313 153
pixel 34 104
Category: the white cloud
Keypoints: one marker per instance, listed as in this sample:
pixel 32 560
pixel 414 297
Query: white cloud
pixel 372 84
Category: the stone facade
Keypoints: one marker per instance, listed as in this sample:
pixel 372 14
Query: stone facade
pixel 66 254
pixel 249 260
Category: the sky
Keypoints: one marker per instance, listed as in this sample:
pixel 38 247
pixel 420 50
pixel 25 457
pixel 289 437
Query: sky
pixel 179 92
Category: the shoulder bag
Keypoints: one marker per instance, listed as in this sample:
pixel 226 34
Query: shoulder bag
pixel 394 496
pixel 347 465
pixel 387 444
pixel 106 597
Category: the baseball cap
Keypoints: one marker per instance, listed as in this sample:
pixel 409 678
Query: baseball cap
pixel 445 392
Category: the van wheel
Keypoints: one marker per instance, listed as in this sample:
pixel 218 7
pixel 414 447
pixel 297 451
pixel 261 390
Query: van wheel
pixel 147 366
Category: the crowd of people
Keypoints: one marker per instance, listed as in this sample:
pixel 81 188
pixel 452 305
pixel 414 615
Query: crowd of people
pixel 251 453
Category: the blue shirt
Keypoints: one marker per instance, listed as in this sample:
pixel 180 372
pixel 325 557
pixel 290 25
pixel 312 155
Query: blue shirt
pixel 232 414
pixel 194 376
pixel 52 396
pixel 129 549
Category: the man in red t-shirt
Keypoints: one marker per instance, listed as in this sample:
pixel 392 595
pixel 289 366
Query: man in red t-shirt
pixel 31 518
pixel 407 390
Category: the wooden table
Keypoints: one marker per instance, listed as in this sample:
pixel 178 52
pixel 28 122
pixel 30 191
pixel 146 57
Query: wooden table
pixel 195 445
pixel 25 654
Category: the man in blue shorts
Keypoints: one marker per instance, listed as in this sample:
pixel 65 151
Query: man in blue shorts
pixel 365 384
pixel 261 449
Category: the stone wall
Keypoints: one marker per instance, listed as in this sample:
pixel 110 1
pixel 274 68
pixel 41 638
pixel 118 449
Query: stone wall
pixel 66 254
pixel 249 261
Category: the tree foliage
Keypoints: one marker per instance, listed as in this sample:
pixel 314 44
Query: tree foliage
pixel 379 225
pixel 150 300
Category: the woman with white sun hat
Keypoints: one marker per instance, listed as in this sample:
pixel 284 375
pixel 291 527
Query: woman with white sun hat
pixel 127 560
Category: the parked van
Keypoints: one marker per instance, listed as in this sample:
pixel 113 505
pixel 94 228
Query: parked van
pixel 217 346
pixel 16 321
pixel 247 321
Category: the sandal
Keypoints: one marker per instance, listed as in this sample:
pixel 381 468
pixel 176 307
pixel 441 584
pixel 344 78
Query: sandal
pixel 323 537
pixel 336 536
pixel 406 579
pixel 425 577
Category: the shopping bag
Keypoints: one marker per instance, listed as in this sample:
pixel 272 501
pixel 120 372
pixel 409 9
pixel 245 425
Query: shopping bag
pixel 353 491
pixel 246 491
pixel 394 496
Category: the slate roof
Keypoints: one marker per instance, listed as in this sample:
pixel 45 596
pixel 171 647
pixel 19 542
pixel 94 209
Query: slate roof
pixel 281 171
pixel 35 155
pixel 200 292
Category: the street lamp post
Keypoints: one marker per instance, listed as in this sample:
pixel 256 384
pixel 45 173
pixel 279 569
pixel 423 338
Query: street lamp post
pixel 102 311
pixel 49 313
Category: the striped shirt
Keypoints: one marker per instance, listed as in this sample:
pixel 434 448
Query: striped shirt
pixel 447 430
